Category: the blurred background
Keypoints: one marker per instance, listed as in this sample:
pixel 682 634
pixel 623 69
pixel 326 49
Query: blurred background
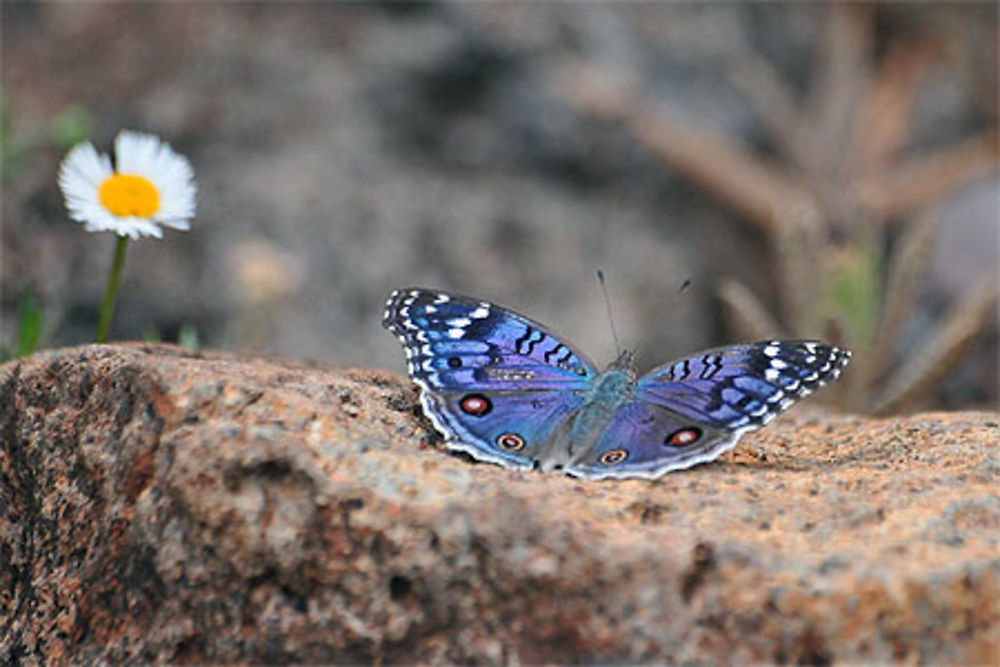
pixel 812 170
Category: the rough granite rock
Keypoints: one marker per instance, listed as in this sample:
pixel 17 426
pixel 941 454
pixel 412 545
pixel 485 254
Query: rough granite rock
pixel 162 505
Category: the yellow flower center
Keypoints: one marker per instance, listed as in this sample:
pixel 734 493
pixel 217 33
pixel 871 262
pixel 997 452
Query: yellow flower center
pixel 128 195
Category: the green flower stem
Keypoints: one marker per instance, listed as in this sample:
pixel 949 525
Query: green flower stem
pixel 108 307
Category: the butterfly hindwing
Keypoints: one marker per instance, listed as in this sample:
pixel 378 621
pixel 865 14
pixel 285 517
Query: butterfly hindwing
pixel 508 428
pixel 644 439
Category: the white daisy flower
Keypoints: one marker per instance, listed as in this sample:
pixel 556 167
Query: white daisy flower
pixel 148 186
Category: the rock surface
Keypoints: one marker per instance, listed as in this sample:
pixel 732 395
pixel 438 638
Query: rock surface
pixel 160 504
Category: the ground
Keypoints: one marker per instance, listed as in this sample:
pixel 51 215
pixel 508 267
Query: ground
pixel 162 504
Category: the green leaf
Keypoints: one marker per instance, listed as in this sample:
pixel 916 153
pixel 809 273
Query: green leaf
pixel 29 327
pixel 188 337
pixel 151 334
pixel 853 291
pixel 71 126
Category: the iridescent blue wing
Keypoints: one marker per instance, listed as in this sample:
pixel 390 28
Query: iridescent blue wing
pixel 494 382
pixel 692 410
pixel 646 440
pixel 508 428
pixel 458 343
pixel 742 385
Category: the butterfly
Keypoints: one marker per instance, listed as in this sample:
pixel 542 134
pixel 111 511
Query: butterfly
pixel 502 388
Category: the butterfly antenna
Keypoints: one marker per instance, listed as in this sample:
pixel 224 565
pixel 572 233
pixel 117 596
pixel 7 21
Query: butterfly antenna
pixel 683 286
pixel 611 317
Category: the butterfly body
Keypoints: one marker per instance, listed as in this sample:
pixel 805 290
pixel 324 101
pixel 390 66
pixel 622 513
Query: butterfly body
pixel 609 391
pixel 502 388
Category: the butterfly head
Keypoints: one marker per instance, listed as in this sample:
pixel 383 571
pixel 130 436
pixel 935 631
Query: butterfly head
pixel 625 362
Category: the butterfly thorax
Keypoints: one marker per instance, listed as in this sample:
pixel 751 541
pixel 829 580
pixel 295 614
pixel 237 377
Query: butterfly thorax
pixel 609 391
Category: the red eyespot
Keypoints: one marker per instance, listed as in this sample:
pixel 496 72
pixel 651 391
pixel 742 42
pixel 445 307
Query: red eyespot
pixel 476 405
pixel 683 437
pixel 510 442
pixel 614 456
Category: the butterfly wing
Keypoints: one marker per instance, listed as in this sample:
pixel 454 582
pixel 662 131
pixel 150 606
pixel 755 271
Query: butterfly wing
pixel 494 382
pixel 454 342
pixel 508 428
pixel 692 410
pixel 637 443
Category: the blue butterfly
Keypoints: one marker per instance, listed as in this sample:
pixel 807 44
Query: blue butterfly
pixel 502 388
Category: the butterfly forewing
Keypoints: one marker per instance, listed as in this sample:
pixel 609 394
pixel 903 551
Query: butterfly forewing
pixel 454 342
pixel 742 385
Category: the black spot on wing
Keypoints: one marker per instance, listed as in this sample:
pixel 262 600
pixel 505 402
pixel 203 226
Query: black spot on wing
pixel 532 343
pixel 554 351
pixel 523 340
pixel 712 365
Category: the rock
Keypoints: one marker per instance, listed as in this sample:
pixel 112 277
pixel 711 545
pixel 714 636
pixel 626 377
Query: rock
pixel 158 504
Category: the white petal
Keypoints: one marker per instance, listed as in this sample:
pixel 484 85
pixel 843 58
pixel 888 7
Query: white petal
pixel 84 164
pixel 135 152
pixel 80 175
pixel 100 220
pixel 135 227
pixel 176 199
pixel 144 226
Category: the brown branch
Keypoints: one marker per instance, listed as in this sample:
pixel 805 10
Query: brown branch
pixel 904 276
pixel 775 103
pixel 926 179
pixel 949 344
pixel 882 124
pixel 724 167
pixel 843 69
pixel 755 189
pixel 797 246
